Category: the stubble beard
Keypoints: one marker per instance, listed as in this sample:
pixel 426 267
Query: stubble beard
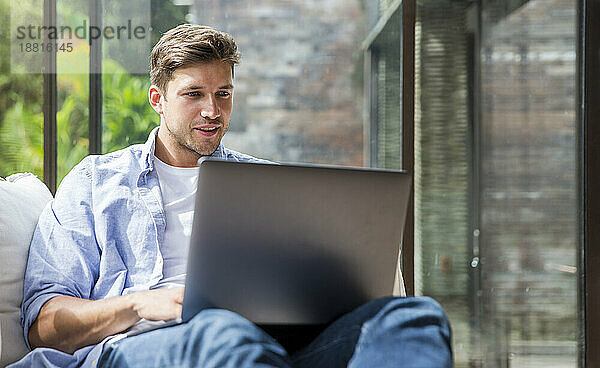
pixel 187 141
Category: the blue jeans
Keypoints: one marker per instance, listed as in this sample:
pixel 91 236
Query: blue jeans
pixel 387 332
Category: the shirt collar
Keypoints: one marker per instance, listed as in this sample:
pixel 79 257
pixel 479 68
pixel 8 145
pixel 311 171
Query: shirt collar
pixel 147 158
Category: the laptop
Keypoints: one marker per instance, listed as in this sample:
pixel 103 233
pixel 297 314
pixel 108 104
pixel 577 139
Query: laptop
pixel 293 245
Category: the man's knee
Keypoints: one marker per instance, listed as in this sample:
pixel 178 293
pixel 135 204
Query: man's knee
pixel 225 339
pixel 412 312
pixel 420 303
pixel 413 328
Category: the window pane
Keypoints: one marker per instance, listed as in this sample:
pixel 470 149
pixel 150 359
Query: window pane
pixel 298 89
pixel 72 66
pixel 21 100
pixel 443 169
pixel 127 116
pixel 495 177
pixel 298 93
pixel 386 124
pixel 528 183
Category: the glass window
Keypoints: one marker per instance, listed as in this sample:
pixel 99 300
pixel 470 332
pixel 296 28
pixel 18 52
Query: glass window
pixel 528 195
pixel 21 101
pixel 383 85
pixel 127 117
pixel 72 68
pixel 443 167
pixel 298 89
pixel 495 147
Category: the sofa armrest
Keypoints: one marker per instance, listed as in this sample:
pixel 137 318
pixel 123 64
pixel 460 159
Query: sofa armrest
pixel 23 196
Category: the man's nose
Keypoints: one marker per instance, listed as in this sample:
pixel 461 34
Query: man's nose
pixel 210 110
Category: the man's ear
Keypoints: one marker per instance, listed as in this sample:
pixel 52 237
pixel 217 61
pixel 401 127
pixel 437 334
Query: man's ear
pixel 156 99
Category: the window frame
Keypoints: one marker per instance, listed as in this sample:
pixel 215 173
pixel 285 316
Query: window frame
pixel 50 90
pixel 407 9
pixel 588 54
pixel 95 86
pixel 50 106
pixel 407 67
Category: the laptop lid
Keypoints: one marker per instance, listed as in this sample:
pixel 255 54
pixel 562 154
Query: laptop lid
pixel 293 244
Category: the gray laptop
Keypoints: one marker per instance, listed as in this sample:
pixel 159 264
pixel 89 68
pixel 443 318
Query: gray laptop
pixel 293 244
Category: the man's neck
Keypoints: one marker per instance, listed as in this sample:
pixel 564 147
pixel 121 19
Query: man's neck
pixel 174 157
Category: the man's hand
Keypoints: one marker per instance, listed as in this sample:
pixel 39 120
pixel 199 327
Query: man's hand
pixel 66 323
pixel 158 304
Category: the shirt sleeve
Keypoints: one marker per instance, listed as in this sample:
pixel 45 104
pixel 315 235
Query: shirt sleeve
pixel 231 155
pixel 64 255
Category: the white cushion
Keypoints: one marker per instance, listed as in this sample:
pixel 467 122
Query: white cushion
pixel 22 198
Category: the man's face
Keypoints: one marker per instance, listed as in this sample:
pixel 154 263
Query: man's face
pixel 195 110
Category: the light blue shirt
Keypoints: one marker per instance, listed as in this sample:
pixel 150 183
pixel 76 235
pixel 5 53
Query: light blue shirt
pixel 99 238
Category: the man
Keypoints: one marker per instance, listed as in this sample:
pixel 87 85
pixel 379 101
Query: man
pixel 109 253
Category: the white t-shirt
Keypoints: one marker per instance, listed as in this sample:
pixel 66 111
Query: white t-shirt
pixel 178 187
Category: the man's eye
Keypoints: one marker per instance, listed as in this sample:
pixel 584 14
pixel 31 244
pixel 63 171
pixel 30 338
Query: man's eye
pixel 223 94
pixel 194 94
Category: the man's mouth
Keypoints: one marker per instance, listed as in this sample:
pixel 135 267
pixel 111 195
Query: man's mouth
pixel 207 130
